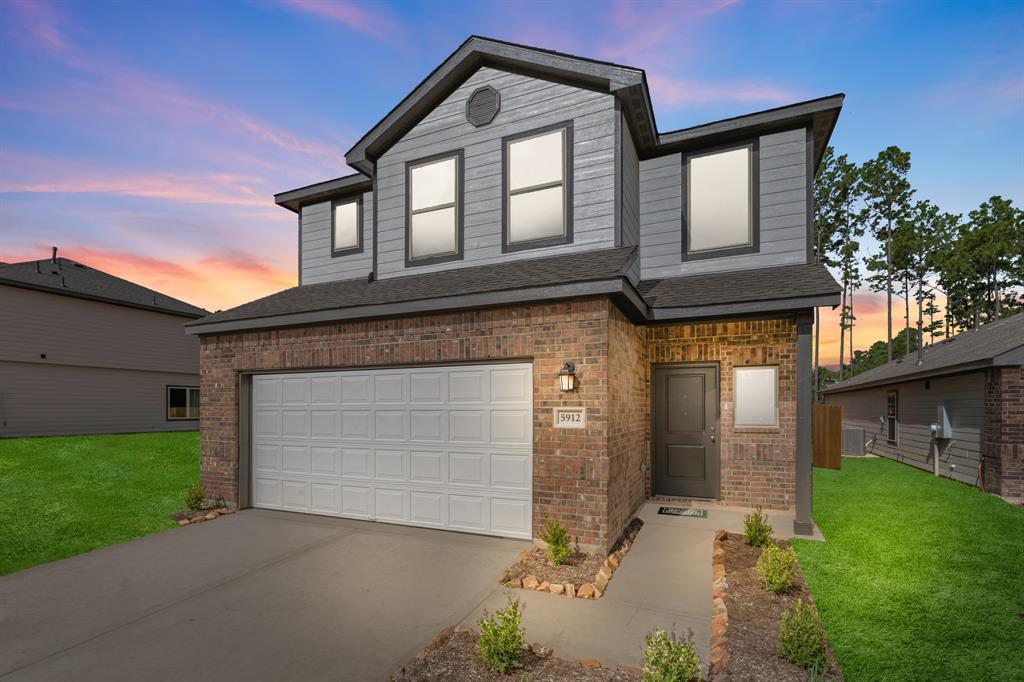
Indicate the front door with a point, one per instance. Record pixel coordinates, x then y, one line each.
685 409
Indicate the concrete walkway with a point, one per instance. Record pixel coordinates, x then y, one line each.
263 595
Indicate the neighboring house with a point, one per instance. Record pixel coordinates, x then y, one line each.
82 352
519 211
977 377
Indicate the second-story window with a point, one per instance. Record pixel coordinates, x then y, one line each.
435 211
538 198
720 218
346 234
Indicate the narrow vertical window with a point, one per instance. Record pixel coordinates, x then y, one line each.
892 417
435 214
537 203
346 230
721 203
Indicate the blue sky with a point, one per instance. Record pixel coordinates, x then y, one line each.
148 138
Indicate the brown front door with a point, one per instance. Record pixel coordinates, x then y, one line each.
685 427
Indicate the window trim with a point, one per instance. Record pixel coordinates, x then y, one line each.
895 418
567 188
348 250
735 383
167 403
755 200
459 156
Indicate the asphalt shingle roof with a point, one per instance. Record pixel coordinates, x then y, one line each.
741 286
72 278
966 348
539 272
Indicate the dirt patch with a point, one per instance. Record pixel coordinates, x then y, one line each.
581 575
753 619
453 656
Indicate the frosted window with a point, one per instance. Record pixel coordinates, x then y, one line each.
755 396
719 199
536 186
433 218
346 226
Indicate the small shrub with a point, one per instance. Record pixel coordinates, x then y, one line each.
801 636
668 658
194 497
756 530
557 537
775 568
501 638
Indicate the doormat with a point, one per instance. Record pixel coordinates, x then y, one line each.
683 511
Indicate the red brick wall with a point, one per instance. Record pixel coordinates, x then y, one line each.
1003 432
570 468
758 464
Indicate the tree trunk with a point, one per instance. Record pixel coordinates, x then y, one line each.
817 347
842 330
851 330
888 289
906 307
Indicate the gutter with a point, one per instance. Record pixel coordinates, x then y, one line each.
914 376
102 299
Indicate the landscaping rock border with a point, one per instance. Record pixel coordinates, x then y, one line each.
188 517
718 657
593 589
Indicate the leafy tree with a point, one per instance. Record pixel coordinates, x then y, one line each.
887 193
994 241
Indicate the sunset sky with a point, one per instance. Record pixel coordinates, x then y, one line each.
148 139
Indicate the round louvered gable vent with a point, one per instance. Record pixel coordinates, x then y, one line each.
482 106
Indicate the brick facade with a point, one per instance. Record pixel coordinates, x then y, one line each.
1002 447
592 479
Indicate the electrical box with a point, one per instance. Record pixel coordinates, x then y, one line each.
941 429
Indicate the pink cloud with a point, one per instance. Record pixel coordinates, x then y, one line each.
674 92
641 27
364 18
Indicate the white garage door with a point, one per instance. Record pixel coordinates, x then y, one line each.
444 447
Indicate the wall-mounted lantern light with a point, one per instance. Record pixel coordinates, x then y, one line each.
567 376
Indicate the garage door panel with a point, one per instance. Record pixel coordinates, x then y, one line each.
442 447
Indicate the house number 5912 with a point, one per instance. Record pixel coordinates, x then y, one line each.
570 417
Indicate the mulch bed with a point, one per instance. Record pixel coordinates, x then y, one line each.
582 575
753 622
453 656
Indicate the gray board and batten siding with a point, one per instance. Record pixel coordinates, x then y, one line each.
630 196
783 211
916 412
527 103
318 263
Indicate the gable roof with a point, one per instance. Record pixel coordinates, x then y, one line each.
71 278
627 83
997 343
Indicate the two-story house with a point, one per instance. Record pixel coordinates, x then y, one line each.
529 303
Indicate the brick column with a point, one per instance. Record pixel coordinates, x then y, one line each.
1003 432
803 524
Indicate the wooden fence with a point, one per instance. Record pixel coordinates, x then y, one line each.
827 436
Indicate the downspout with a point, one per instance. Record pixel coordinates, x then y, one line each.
803 524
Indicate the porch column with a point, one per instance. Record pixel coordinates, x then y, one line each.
803 524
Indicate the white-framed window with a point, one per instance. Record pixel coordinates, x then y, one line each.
721 203
537 182
434 228
756 396
182 403
346 230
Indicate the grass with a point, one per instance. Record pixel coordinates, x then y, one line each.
67 495
920 578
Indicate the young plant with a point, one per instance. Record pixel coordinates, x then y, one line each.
557 537
775 567
668 658
194 497
756 530
501 638
801 636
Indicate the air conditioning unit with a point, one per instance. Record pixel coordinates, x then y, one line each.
853 442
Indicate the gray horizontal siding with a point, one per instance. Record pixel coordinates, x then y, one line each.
317 263
782 205
917 412
630 197
526 103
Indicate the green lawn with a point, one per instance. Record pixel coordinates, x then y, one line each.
920 578
67 495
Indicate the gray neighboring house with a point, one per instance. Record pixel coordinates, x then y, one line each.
83 351
978 377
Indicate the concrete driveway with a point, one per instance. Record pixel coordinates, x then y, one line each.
257 595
